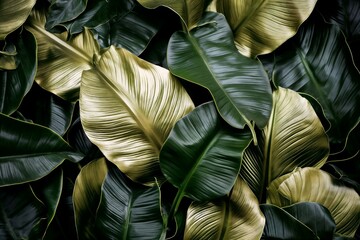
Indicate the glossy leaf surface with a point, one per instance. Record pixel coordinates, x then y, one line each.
134 212
14 84
261 26
29 152
8 54
294 137
190 11
343 202
128 107
318 62
61 62
207 56
202 154
235 217
86 197
13 14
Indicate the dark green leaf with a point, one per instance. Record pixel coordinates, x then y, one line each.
128 210
29 151
202 154
14 84
207 56
318 62
282 225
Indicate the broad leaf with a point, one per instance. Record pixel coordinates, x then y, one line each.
14 84
61 62
86 197
318 62
282 225
20 213
190 11
13 14
207 56
29 151
202 154
261 26
8 53
128 107
134 212
294 137
343 202
235 217
47 109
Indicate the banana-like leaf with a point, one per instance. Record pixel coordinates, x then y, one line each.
261 26
128 210
282 225
8 53
128 107
202 154
190 11
14 84
61 62
314 185
318 62
294 137
207 56
13 14
29 151
237 216
86 197
47 109
21 213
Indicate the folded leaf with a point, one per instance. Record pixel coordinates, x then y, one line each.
207 56
202 154
294 137
29 151
13 14
343 202
190 11
128 107
235 217
61 62
261 26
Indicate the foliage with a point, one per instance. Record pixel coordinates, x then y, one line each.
191 119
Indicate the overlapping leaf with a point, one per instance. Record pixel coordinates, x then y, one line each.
237 216
207 56
190 11
202 154
29 152
294 137
61 62
15 83
13 14
261 26
128 107
319 63
342 202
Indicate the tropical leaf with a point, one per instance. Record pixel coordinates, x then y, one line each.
86 197
13 14
8 53
190 11
239 85
134 212
128 107
318 62
61 62
237 216
343 202
21 212
47 109
294 137
14 84
261 26
202 154
29 151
